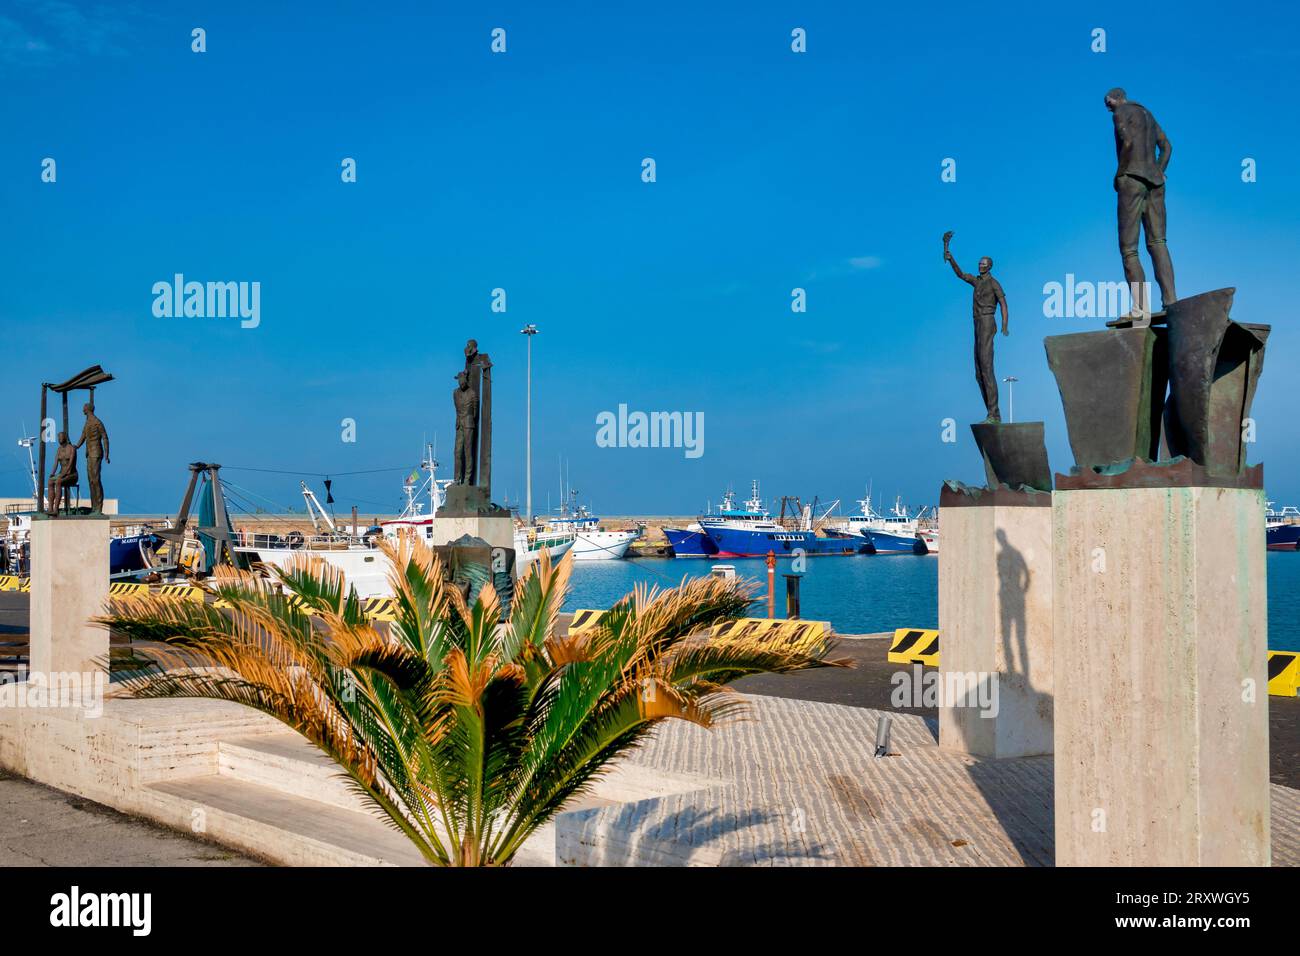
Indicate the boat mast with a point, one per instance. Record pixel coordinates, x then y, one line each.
31 463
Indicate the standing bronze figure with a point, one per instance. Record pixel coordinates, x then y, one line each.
95 437
62 477
473 401
1143 152
987 297
465 399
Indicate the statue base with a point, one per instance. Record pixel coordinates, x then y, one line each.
995 621
470 501
495 530
1015 454
1161 716
69 587
471 562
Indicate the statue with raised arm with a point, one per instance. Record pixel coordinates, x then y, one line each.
987 298
1143 152
95 437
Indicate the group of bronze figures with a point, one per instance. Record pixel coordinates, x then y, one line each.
1142 151
64 477
1155 399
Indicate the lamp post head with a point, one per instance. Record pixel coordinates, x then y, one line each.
529 329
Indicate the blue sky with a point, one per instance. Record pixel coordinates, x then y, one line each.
522 171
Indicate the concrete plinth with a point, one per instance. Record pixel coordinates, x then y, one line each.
497 530
69 587
1161 703
995 623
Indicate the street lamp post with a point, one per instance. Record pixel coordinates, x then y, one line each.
1011 397
529 330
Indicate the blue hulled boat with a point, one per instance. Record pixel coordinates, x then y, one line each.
751 532
690 542
1279 533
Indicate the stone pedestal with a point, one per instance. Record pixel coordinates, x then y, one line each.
497 530
1161 702
69 587
995 621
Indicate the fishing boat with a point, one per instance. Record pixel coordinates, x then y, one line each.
752 532
694 541
413 519
531 542
690 542
1282 528
894 533
363 563
130 550
357 554
591 541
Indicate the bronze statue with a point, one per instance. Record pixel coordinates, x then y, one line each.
1143 152
465 399
473 400
987 297
95 437
63 476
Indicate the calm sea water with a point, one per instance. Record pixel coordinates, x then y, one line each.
869 594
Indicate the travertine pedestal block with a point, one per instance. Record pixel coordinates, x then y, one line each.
497 531
995 622
1161 697
69 587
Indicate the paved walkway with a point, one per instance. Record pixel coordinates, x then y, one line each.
44 827
798 785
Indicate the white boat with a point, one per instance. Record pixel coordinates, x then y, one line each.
591 541
356 554
363 564
895 533
530 542
414 520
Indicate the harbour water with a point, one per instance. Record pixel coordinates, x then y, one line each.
866 595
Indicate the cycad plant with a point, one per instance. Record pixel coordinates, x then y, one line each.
467 733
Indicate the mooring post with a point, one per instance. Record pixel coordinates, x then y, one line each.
771 584
792 596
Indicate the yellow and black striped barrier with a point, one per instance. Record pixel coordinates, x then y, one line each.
123 589
770 628
380 608
1283 673
180 592
9 582
914 646
583 619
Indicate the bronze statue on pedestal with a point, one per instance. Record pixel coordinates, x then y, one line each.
988 295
